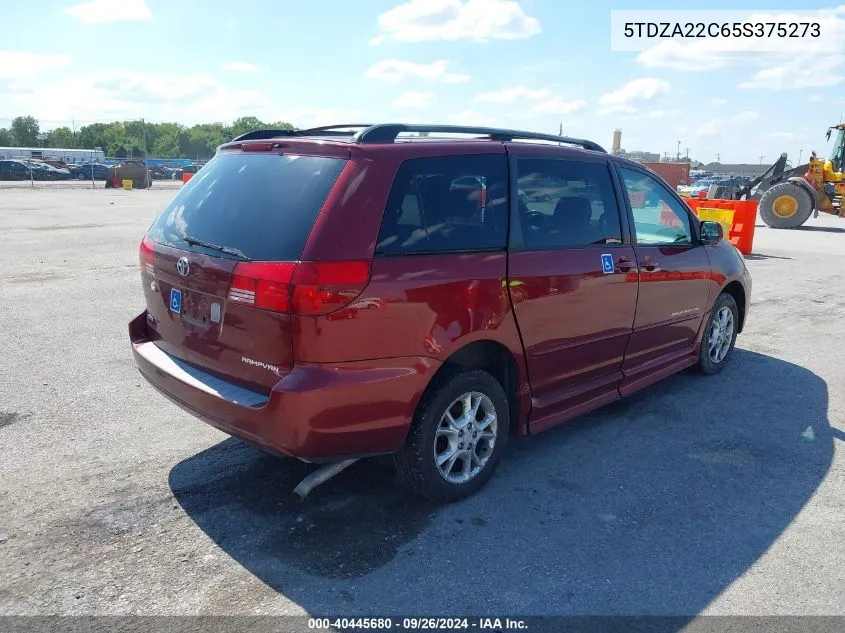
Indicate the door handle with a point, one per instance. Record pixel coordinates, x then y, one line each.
624 265
650 266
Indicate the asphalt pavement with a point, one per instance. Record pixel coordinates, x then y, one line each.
701 495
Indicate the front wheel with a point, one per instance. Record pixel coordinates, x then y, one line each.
785 206
719 339
458 434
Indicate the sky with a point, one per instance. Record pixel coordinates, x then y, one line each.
526 64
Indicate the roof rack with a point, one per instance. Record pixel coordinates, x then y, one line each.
366 133
387 133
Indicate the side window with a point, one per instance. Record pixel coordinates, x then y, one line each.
659 219
566 204
451 203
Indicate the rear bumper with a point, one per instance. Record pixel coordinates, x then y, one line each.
317 412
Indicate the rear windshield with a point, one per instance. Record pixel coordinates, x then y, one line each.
261 205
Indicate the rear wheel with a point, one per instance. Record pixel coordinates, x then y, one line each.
458 434
785 206
717 344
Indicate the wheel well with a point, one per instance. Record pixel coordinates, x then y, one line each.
497 360
736 290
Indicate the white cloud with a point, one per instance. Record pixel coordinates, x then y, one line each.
624 99
720 125
450 20
239 67
124 94
509 95
663 114
784 136
396 70
105 11
470 117
718 102
558 107
323 116
815 98
415 100
22 64
699 55
546 105
794 74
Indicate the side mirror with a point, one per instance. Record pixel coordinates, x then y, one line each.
711 232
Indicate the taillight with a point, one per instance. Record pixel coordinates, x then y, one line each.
307 288
146 254
264 285
323 287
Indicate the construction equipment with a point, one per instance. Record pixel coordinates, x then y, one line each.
789 196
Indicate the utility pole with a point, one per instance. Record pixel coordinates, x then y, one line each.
718 158
688 152
800 153
761 158
678 157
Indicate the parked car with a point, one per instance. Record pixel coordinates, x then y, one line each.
185 169
13 170
129 169
40 171
162 172
333 299
84 171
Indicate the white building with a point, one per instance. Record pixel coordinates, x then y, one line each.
54 153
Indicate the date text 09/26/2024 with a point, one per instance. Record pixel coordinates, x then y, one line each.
417 624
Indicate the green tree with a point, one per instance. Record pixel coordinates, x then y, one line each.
61 137
6 139
25 131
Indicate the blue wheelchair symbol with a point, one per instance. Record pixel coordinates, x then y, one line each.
175 300
607 266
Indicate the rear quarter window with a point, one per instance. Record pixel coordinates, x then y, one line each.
443 204
263 205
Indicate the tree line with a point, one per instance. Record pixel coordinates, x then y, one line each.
133 139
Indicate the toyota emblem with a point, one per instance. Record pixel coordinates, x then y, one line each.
183 266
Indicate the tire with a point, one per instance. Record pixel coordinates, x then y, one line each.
416 462
724 311
785 206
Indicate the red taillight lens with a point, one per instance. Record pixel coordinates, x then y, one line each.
146 254
264 285
307 288
323 287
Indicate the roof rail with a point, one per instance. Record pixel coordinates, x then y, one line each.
366 133
387 133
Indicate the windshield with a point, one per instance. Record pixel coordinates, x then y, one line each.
837 153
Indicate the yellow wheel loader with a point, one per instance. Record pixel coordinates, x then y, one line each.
788 197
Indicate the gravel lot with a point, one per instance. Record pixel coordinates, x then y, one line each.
721 495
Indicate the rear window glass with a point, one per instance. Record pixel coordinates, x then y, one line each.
262 205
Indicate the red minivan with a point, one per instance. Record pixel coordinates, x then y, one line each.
425 292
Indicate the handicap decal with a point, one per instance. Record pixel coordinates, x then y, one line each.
607 266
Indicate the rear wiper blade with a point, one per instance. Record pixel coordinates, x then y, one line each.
215 247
